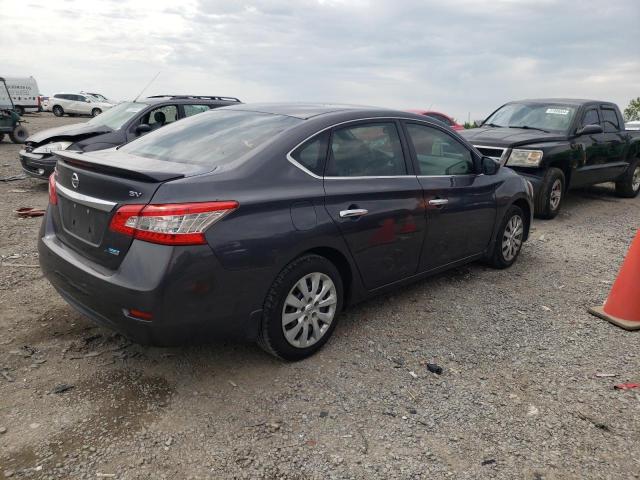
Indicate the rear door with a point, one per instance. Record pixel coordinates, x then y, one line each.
77 104
460 203
615 143
595 150
375 199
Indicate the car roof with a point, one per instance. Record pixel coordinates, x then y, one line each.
305 111
202 99
566 101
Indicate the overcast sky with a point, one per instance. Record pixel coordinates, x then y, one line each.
458 56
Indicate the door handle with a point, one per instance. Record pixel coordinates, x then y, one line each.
353 213
438 202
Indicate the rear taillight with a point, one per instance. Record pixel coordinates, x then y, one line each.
53 195
170 224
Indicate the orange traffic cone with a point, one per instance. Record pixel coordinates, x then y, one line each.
622 307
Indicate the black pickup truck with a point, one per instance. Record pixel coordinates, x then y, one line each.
559 144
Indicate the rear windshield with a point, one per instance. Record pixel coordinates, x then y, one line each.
211 138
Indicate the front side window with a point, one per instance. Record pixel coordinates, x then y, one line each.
540 116
366 150
161 116
312 154
195 109
610 120
439 153
215 138
591 117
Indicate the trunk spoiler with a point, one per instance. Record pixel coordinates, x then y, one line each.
143 169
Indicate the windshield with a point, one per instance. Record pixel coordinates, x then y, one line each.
117 116
212 138
547 117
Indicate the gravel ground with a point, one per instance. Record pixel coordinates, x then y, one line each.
518 396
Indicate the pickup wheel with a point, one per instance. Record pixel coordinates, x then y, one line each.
629 184
550 196
509 240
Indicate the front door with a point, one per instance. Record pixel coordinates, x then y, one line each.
461 204
375 201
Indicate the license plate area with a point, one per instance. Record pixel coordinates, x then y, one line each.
83 222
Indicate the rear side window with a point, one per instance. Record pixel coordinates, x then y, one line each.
439 153
610 120
214 138
195 109
591 117
312 154
366 150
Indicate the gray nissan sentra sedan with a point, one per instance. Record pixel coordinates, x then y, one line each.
264 221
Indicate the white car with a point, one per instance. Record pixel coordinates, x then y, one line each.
77 104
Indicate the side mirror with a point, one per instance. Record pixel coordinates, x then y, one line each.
590 130
143 128
489 166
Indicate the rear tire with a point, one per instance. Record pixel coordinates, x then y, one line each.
549 199
57 110
95 112
509 239
629 184
301 309
19 134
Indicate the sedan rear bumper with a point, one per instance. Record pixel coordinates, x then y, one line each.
191 298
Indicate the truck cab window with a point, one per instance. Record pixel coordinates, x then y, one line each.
610 120
591 117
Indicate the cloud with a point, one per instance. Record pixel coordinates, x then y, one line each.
464 57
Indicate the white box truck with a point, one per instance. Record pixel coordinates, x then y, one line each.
25 94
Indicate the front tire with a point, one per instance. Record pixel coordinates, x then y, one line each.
58 111
629 184
551 194
301 309
509 240
95 112
19 134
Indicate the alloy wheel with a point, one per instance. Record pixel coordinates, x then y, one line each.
556 194
512 238
309 310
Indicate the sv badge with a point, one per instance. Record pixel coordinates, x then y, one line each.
133 193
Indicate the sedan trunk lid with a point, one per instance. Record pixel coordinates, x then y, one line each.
91 187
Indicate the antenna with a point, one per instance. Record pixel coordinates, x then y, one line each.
147 86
